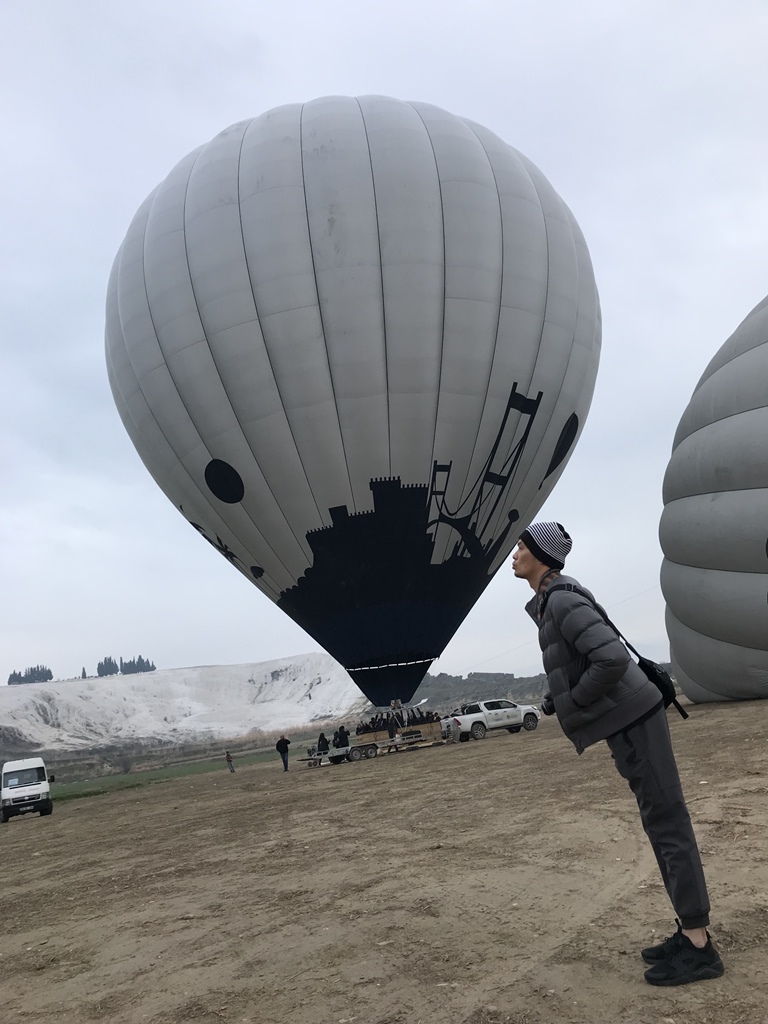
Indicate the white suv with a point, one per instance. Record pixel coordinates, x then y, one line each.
476 717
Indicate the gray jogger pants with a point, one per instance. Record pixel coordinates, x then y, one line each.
644 757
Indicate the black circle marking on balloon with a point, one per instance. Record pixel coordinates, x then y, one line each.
257 572
224 481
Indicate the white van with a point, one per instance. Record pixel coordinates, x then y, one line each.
25 787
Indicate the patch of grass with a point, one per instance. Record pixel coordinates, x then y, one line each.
136 779
97 787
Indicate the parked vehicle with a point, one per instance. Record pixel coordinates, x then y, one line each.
476 717
25 787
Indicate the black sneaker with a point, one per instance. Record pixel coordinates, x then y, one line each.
686 964
652 954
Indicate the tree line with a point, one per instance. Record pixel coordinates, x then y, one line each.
34 674
107 667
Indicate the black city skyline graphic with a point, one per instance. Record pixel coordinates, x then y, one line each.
373 597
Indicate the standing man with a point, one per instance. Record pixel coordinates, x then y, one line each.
599 693
282 748
230 762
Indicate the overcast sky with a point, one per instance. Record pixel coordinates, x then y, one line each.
648 117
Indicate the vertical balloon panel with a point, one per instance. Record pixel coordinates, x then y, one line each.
355 341
409 213
714 529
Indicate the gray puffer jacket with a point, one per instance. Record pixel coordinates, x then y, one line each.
597 689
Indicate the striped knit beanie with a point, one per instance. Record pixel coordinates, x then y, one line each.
548 542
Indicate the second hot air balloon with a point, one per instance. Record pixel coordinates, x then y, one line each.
714 530
355 341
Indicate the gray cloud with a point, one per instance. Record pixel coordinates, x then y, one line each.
647 118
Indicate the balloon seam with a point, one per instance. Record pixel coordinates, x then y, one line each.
381 278
442 329
320 308
496 337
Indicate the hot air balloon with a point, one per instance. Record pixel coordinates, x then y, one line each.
714 528
355 341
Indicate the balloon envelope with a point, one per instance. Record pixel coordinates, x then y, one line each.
714 529
355 341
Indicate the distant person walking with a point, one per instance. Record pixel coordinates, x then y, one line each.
230 762
282 748
392 732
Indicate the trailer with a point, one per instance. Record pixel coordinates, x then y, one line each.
371 744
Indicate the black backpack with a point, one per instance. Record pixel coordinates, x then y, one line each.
655 673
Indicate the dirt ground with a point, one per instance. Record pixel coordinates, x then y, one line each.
497 882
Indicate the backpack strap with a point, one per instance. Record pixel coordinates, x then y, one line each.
577 590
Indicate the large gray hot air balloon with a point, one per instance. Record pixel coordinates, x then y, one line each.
714 529
355 341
